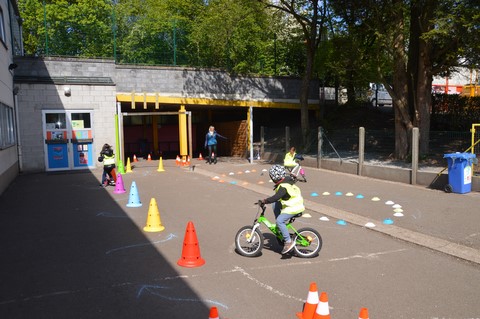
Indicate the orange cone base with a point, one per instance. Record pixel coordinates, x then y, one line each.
153 228
191 262
300 315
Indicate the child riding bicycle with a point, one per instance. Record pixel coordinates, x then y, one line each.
291 159
287 200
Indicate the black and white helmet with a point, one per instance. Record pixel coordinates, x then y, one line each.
277 173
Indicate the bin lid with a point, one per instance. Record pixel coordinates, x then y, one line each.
459 155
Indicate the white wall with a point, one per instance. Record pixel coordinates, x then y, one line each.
8 156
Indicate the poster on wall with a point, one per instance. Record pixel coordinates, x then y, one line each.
76 124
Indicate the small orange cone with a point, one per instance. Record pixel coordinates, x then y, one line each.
200 157
178 161
149 157
322 311
188 161
114 174
311 304
154 223
213 313
363 313
135 158
184 161
191 251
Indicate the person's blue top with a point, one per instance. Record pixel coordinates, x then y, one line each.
211 138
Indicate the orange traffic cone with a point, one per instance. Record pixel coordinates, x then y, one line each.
149 158
188 161
135 158
200 157
178 161
311 304
114 174
191 251
322 311
213 313
363 313
184 161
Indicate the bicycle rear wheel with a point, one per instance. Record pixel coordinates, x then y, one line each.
308 243
249 243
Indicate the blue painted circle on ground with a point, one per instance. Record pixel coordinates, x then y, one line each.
341 222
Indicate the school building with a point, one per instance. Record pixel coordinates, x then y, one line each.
69 107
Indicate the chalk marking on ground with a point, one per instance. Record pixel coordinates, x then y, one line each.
169 237
236 269
152 289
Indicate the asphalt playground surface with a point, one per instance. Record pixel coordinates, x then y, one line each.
72 249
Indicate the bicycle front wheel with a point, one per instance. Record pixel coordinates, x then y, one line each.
308 243
249 243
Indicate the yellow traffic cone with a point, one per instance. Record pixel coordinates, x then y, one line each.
154 223
160 165
129 166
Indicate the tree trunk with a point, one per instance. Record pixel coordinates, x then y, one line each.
304 90
420 68
403 122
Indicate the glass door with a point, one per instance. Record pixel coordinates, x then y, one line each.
68 139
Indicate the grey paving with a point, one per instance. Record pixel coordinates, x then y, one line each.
71 249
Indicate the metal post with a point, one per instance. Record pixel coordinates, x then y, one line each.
262 140
415 142
114 29
275 54
319 147
45 25
190 143
182 131
250 126
120 133
174 42
287 138
361 149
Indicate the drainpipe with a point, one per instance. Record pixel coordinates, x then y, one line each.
17 130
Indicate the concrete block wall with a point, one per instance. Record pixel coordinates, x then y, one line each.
208 84
34 98
95 83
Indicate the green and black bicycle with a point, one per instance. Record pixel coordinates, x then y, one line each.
249 239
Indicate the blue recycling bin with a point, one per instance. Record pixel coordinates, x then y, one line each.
459 172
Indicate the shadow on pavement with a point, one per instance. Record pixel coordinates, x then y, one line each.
69 250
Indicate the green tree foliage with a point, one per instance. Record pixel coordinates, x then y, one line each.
70 28
411 41
310 16
231 34
154 31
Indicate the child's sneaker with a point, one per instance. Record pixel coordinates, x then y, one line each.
288 246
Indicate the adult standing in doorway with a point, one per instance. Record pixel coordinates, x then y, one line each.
211 144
